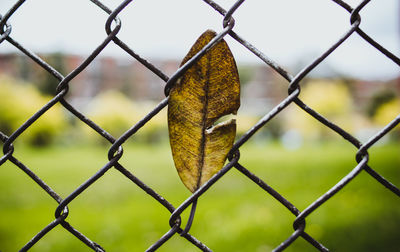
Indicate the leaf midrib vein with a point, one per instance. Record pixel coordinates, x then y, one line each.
204 120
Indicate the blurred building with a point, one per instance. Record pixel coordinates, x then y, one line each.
262 88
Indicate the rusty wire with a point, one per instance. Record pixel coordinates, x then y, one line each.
113 26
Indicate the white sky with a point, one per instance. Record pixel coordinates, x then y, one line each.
291 32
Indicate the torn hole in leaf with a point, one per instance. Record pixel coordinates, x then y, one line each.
221 122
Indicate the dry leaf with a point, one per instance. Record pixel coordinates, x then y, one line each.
207 91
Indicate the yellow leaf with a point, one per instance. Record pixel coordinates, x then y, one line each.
207 91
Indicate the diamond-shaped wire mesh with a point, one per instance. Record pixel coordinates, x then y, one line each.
113 26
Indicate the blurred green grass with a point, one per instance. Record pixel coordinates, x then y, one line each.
234 215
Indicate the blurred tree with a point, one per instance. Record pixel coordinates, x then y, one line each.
386 113
379 99
115 113
18 102
330 98
112 111
47 82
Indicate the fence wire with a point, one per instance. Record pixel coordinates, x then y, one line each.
113 26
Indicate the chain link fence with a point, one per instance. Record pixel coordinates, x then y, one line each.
113 26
